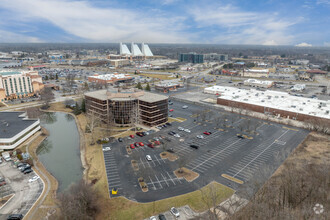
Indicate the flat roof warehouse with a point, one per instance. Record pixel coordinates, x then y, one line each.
274 99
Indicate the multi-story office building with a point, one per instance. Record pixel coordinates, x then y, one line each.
127 107
18 84
215 57
191 58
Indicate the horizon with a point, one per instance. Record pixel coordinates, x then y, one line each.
268 23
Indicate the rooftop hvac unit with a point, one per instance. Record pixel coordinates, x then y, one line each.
245 100
293 106
262 100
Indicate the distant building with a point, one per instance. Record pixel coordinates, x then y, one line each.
298 87
166 87
110 78
135 50
15 129
215 57
317 72
262 73
18 84
191 58
127 107
120 62
258 83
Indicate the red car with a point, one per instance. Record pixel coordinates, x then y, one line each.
150 145
140 134
207 133
171 110
157 143
136 144
132 146
131 136
141 144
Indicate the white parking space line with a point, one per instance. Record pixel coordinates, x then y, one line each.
142 162
170 178
152 182
157 160
259 154
159 182
164 179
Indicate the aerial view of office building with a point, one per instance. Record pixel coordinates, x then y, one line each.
127 107
191 58
110 78
15 128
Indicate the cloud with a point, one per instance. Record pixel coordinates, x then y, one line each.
303 45
244 27
327 44
270 43
10 37
81 19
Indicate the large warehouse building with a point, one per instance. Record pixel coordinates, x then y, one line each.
276 103
127 107
110 78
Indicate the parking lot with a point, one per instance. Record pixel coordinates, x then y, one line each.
25 193
221 156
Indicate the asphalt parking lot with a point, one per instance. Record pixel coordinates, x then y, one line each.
25 193
221 156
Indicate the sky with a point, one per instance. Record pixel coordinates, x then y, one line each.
256 22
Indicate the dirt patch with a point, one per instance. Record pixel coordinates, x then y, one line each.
168 155
135 165
5 199
189 175
128 149
143 185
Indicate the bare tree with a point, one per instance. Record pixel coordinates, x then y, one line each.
79 202
182 161
46 96
92 122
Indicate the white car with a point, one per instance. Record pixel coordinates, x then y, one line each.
148 157
187 130
33 179
185 106
200 136
106 149
153 218
180 128
175 212
176 135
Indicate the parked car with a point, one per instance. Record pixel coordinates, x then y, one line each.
139 134
20 164
176 135
171 133
156 138
170 103
200 136
33 179
161 217
194 146
29 170
136 144
185 106
120 139
170 115
141 144
15 217
175 212
132 146
131 136
150 145
171 110
180 128
152 218
0 160
148 157
106 149
25 167
168 123
157 143
207 133
240 136
187 130
171 150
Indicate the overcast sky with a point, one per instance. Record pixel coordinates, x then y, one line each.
267 22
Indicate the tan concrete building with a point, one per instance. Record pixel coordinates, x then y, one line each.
18 84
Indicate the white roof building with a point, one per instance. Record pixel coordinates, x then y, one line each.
275 99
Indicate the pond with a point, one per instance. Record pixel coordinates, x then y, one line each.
60 151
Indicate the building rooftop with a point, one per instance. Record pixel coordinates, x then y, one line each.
152 97
111 76
11 123
255 81
275 99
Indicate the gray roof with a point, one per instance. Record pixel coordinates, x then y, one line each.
152 97
15 124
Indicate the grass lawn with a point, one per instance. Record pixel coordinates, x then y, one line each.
158 76
121 208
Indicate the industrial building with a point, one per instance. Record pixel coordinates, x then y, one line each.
279 104
260 73
19 84
110 78
258 83
127 107
16 128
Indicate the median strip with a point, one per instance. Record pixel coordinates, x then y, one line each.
232 178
